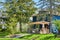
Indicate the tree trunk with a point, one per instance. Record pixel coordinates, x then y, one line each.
20 27
51 10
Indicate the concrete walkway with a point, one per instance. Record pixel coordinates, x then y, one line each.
16 35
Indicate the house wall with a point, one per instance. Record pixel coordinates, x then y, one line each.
55 17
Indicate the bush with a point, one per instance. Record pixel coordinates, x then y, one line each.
57 23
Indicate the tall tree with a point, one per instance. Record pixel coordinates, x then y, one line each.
19 11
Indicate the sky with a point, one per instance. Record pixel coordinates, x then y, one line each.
1 6
2 0
35 0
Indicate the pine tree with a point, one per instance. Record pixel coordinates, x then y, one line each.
19 11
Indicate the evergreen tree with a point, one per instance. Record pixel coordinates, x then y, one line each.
18 11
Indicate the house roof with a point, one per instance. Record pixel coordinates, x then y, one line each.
41 12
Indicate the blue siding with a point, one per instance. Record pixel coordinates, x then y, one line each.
56 17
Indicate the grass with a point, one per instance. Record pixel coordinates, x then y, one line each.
3 34
34 37
38 36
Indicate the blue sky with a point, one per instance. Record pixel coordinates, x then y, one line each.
2 0
36 0
1 4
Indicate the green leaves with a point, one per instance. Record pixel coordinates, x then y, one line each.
57 23
18 11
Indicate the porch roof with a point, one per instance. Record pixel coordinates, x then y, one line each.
40 22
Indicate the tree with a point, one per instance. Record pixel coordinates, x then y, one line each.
18 11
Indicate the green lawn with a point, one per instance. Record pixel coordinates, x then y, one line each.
40 37
34 37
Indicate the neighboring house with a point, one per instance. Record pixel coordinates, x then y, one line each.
56 17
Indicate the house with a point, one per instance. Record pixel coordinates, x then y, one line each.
55 17
41 23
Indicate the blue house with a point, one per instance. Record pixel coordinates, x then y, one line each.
53 27
55 17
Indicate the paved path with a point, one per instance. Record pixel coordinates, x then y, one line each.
16 35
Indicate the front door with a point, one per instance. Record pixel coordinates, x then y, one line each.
44 29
